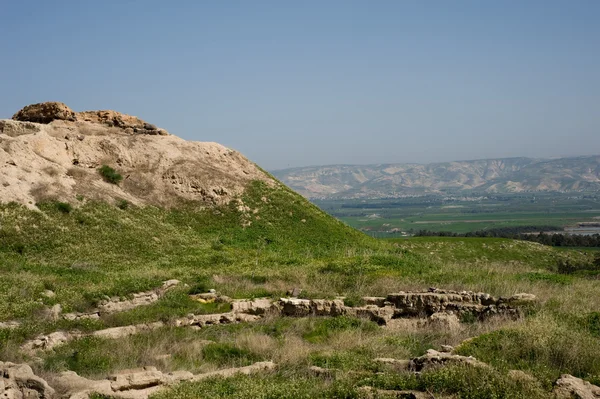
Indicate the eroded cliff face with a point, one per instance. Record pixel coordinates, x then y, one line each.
48 151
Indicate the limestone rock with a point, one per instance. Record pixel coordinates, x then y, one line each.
45 113
19 381
125 331
255 307
260 366
47 342
447 348
434 359
70 383
567 387
136 379
443 321
139 299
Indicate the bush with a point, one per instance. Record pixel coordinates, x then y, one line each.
110 175
123 204
64 207
570 267
354 300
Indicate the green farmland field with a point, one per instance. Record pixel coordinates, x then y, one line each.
464 214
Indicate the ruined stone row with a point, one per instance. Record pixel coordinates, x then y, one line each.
116 304
411 305
17 381
434 307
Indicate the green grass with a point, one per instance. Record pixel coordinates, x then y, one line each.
465 382
324 328
109 174
97 250
462 215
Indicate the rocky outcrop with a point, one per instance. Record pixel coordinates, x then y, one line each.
17 381
49 152
140 383
131 124
48 112
569 387
45 113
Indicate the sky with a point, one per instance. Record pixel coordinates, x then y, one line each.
296 83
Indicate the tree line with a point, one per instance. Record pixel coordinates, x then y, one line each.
526 233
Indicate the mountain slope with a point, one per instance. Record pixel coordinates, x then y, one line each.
492 175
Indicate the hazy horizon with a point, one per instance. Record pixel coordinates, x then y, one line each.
323 83
435 162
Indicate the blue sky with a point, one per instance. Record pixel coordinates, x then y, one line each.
292 83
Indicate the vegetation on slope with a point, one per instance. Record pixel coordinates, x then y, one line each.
98 249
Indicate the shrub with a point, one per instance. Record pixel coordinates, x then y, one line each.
110 175
64 207
123 204
354 300
570 267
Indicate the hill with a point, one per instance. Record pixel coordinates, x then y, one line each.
507 175
108 290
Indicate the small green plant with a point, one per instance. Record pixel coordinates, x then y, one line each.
354 300
64 207
123 204
110 175
468 318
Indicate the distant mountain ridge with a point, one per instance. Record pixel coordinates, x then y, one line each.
504 175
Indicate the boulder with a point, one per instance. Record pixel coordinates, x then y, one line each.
45 113
443 321
295 307
567 387
374 313
70 383
433 359
225 373
19 381
47 342
136 379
